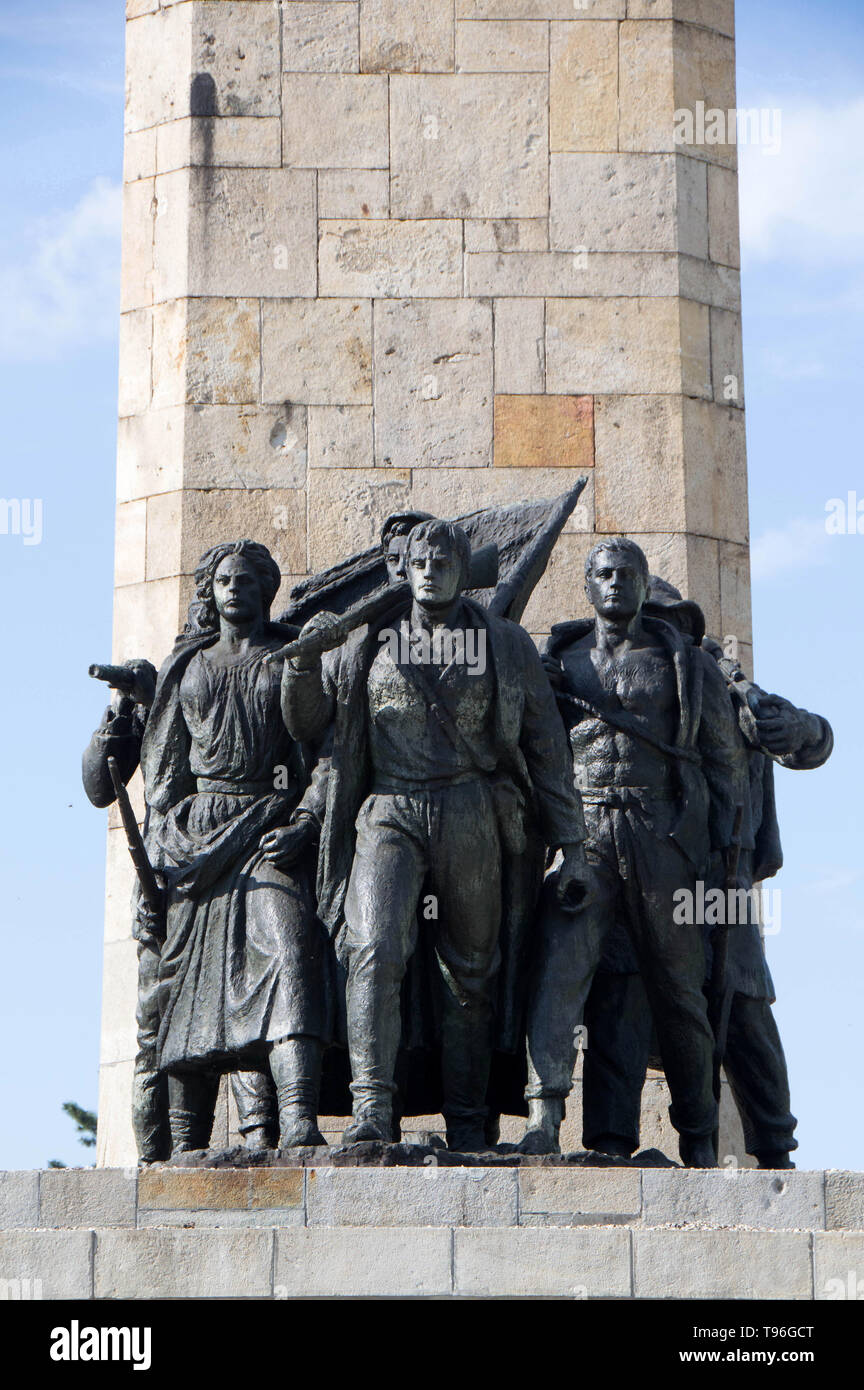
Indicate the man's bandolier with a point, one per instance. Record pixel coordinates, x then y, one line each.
651 823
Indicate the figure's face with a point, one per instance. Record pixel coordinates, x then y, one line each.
616 587
236 591
434 574
397 548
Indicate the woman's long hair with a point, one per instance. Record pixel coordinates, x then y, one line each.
202 616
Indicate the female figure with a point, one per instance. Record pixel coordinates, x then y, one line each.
243 970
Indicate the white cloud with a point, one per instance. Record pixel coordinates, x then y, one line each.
66 292
806 202
801 542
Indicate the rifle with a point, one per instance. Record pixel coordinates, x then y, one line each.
150 890
483 574
719 995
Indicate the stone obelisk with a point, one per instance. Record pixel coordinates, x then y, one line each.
391 253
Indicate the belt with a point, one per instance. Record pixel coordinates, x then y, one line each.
228 788
621 797
396 786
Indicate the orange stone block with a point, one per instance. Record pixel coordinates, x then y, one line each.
276 1187
544 432
193 1189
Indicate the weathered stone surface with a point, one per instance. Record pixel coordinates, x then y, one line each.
452 492
721 1264
544 432
54 1264
139 155
502 46
542 1263
718 285
276 1188
253 142
340 436
390 260
183 1264
119 881
406 1197
130 536
602 1195
317 352
507 234
770 1201
136 281
320 37
193 1189
844 1201
560 593
520 346
667 67
181 526
205 352
715 449
119 990
228 48
632 346
136 338
538 9
19 1200
157 67
628 202
334 121
406 35
727 359
712 14
235 232
146 619
227 446
735 616
433 383
83 1197
439 166
723 231
382 1263
353 193
583 86
115 1142
838 1265
564 274
640 479
347 510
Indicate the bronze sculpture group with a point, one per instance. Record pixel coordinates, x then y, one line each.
393 861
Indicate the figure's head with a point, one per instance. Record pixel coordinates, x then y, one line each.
616 578
665 601
394 541
437 563
238 581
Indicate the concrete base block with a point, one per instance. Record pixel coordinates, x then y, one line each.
320 1229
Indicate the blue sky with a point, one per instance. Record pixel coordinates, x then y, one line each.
802 210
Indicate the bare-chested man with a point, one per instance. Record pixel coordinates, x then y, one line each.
660 771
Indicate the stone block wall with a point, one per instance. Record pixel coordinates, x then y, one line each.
503 1232
442 253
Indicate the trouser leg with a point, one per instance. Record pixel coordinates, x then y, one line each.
672 962
617 1045
466 879
380 933
149 1087
191 1105
755 1066
296 1067
568 953
256 1103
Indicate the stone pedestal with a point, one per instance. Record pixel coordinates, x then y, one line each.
386 253
529 1232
